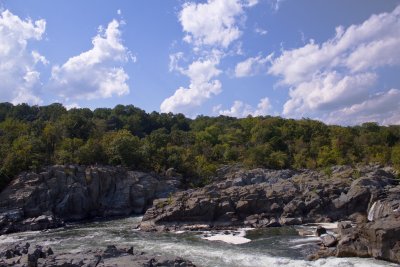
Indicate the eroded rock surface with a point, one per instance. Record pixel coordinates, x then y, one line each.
266 198
22 255
35 201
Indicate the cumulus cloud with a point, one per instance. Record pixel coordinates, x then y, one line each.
240 109
339 73
383 107
18 64
96 73
212 23
211 28
372 44
202 87
252 66
327 92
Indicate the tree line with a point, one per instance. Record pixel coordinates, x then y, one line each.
35 136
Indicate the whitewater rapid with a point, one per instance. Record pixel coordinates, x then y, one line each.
270 247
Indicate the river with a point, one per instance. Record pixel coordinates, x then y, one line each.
269 247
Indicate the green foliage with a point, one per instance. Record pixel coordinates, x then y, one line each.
33 136
356 173
396 156
328 171
68 150
122 147
170 199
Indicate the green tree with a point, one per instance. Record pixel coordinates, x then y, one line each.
68 150
122 147
92 152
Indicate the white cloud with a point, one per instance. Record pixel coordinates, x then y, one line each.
260 31
174 62
252 66
339 73
96 73
72 105
263 107
327 92
382 107
375 54
213 23
251 3
275 4
210 28
372 44
202 86
18 74
240 109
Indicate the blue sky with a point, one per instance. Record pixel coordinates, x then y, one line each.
336 61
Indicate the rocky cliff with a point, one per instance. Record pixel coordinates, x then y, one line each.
35 201
262 198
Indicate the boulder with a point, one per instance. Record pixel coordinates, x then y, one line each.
328 240
379 239
320 230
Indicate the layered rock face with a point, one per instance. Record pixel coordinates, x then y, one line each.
262 198
35 201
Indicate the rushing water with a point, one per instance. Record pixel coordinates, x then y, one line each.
270 247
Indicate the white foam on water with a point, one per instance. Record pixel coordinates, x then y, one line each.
328 226
9 239
51 242
222 257
300 245
231 239
201 252
235 238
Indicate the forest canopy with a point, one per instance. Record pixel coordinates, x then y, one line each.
35 136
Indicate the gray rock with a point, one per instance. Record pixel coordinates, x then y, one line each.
111 256
257 197
37 201
328 240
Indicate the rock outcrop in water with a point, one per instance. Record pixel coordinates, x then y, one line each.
35 201
378 238
263 198
21 255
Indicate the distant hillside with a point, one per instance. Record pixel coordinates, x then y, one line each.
35 136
